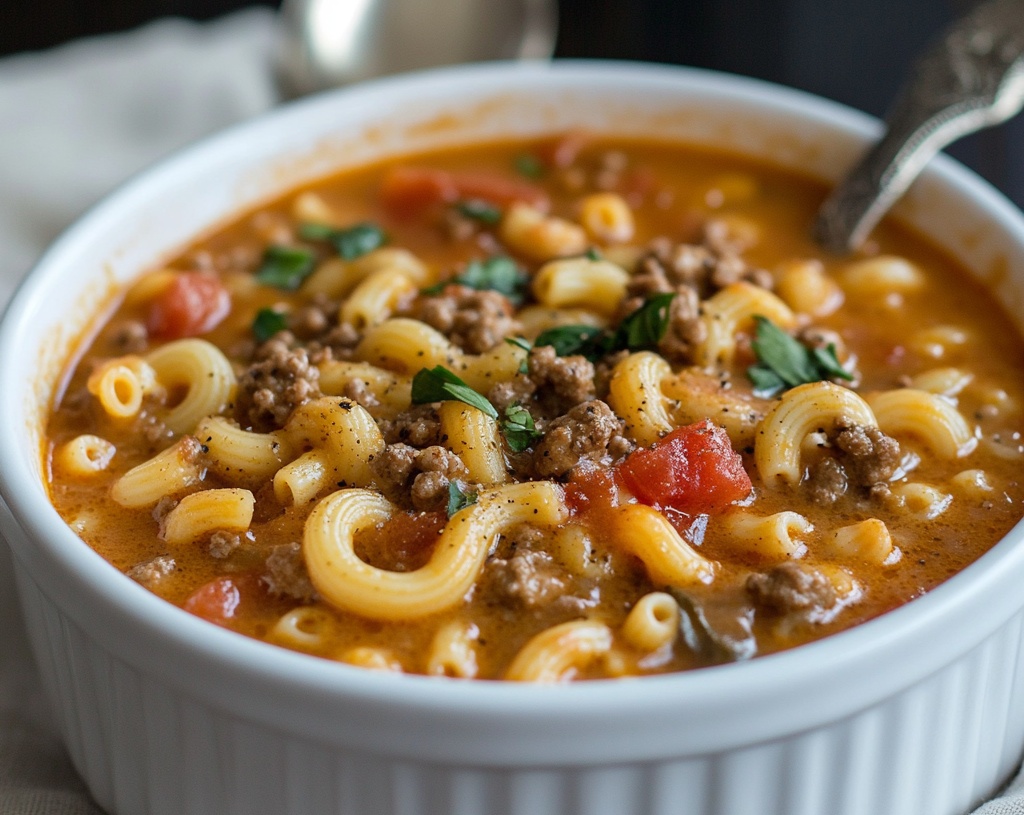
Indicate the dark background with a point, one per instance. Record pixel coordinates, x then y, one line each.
854 51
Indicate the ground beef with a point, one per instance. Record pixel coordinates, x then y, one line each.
871 456
163 507
792 588
686 330
434 468
286 574
529 578
865 458
705 267
419 426
315 318
603 372
476 321
827 481
223 544
562 382
339 342
150 573
280 380
583 432
152 428
130 337
519 390
358 392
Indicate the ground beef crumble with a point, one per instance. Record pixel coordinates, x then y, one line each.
561 383
150 573
476 321
792 588
279 380
430 470
865 459
419 426
586 431
286 574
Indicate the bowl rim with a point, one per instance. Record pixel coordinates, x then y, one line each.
881 644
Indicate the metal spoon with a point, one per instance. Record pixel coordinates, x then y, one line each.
972 78
327 43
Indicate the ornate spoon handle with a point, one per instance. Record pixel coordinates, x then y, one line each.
972 78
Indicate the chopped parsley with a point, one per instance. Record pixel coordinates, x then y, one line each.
498 273
285 267
350 243
482 211
518 427
268 322
784 363
457 499
438 384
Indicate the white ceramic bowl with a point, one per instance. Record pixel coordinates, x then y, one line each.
918 712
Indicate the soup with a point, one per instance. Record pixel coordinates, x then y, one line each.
550 410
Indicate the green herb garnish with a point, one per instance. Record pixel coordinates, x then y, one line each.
350 243
268 322
285 267
644 328
438 384
518 427
568 340
498 273
482 211
593 253
785 363
457 499
529 166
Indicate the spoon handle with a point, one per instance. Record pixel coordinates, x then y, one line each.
972 78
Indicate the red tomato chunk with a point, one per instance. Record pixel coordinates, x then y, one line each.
693 469
406 191
224 599
193 304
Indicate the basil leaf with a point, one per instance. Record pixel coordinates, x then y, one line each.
457 499
498 273
529 166
438 384
482 211
568 340
783 354
285 267
785 363
593 253
828 363
767 383
646 326
350 243
519 429
268 322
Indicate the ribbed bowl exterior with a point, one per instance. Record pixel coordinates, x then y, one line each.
936 748
918 712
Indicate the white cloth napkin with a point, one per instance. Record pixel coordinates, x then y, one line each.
74 122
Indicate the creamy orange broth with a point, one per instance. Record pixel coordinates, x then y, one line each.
671 190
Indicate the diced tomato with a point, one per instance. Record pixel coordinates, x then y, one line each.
194 303
407 191
693 469
224 599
